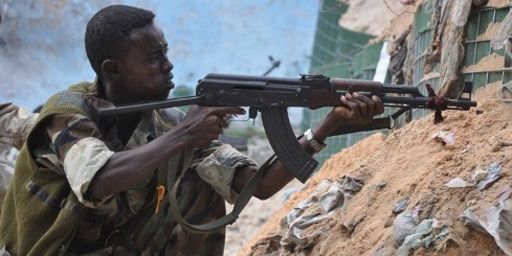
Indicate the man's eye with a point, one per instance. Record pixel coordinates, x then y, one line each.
155 56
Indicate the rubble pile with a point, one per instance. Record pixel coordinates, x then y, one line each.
426 189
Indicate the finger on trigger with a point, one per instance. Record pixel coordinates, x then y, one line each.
228 110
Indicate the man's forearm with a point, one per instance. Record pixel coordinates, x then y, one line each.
126 169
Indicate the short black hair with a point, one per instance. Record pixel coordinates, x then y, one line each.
107 30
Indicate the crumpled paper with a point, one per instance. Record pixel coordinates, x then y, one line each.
422 237
481 179
499 221
404 225
328 196
409 235
445 137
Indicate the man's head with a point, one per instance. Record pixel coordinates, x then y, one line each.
128 53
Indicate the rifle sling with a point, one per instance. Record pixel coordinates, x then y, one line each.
218 224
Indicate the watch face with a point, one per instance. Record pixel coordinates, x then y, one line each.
317 146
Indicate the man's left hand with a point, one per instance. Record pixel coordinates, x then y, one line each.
357 109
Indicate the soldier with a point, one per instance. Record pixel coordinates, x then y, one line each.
90 184
15 122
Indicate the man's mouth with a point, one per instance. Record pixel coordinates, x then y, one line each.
168 81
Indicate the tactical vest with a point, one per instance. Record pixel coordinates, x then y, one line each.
40 214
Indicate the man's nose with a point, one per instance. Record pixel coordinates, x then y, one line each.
167 66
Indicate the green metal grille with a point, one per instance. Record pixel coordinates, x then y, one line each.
477 49
422 40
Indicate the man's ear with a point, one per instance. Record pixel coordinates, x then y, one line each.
110 68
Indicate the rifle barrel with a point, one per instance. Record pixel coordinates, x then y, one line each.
147 106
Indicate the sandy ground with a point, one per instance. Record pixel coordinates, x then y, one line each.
412 164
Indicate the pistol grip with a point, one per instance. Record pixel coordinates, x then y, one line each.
284 143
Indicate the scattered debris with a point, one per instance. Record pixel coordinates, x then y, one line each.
404 225
445 137
426 234
499 221
481 179
303 222
351 185
401 205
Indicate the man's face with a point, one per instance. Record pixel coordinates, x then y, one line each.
144 69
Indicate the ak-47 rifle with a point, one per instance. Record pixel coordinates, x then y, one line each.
272 96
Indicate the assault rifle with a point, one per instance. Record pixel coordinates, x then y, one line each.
272 96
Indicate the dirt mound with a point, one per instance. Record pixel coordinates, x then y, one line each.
410 163
336 166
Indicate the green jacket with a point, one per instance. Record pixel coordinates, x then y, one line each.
40 213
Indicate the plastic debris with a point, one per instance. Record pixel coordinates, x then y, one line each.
404 225
499 221
445 137
458 183
428 233
401 205
493 174
328 196
481 179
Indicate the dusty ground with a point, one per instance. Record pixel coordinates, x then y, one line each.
412 164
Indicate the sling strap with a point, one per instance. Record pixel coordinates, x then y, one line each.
216 225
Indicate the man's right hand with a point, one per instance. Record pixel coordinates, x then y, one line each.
204 124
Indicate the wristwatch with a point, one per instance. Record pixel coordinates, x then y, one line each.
315 144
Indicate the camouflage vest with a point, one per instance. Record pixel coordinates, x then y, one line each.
40 214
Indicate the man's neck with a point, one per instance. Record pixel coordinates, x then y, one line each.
126 123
